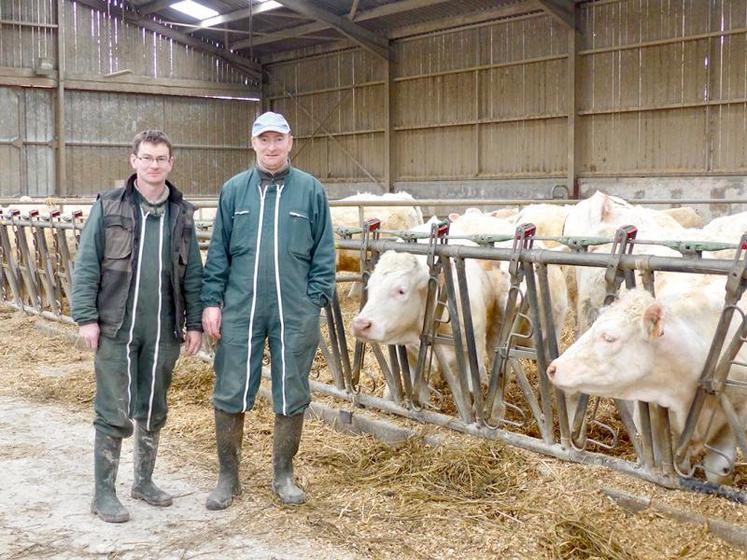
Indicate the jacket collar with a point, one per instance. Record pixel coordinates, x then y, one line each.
175 195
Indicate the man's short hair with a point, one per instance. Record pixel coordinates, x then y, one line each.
151 137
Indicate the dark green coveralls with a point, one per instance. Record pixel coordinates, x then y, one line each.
138 275
271 266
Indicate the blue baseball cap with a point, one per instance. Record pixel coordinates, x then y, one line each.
270 122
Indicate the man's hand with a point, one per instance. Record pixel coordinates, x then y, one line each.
211 317
90 333
193 342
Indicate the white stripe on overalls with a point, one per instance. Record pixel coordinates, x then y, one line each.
134 312
158 324
262 193
280 298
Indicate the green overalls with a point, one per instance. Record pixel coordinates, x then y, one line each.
271 266
136 357
133 369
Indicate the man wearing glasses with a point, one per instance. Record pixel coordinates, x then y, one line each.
137 284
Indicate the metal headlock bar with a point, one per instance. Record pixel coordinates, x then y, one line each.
649 432
714 384
36 267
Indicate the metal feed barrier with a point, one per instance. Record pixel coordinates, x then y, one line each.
493 414
517 406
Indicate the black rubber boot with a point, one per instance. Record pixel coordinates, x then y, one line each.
286 439
229 431
105 503
146 449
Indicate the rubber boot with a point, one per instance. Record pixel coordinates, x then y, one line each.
286 439
105 503
229 431
146 449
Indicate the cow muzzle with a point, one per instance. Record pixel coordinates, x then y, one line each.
361 327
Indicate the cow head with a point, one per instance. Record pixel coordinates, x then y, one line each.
616 355
395 308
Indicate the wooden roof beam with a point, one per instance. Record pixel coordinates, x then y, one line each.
562 10
370 41
249 66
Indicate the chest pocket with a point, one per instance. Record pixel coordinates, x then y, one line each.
300 239
117 240
242 235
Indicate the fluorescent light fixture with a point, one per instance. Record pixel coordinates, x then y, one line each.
194 9
268 5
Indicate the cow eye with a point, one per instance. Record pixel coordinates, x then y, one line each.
401 291
608 337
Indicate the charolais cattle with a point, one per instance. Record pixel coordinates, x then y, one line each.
397 218
395 308
653 350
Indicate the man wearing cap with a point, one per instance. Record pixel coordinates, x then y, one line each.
270 269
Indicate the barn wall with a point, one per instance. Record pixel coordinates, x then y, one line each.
162 84
661 93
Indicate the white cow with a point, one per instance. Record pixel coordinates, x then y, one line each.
474 222
399 218
395 309
549 219
599 216
652 350
603 209
687 217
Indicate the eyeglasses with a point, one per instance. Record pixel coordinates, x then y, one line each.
160 160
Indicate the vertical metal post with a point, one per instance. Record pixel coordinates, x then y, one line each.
60 107
539 348
335 360
456 331
573 89
644 429
553 351
469 334
663 439
12 273
389 126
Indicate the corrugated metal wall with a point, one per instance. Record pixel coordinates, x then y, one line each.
211 135
661 92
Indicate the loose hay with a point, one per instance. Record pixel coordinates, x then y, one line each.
464 499
573 539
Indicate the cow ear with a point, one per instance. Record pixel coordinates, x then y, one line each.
653 321
453 216
606 208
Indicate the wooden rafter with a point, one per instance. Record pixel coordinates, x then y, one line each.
244 64
370 41
563 10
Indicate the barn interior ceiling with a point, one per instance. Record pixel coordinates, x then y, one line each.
263 30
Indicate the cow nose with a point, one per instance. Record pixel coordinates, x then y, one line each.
551 369
360 325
